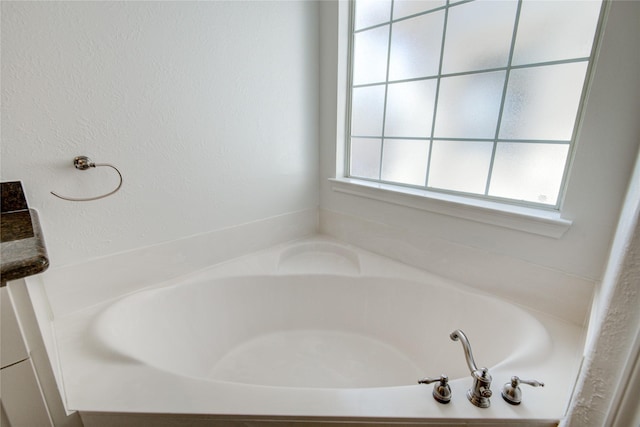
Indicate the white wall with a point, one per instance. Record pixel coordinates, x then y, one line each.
209 109
527 268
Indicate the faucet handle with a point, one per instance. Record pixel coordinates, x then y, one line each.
485 392
441 391
511 392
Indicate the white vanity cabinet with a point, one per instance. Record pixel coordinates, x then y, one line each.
22 402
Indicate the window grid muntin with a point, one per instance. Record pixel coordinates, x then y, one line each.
415 15
435 101
480 71
386 92
496 141
514 34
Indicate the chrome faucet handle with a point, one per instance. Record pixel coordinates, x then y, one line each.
485 380
441 391
480 390
511 392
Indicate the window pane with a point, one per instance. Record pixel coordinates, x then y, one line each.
542 102
478 36
531 172
415 46
405 161
403 8
468 106
399 132
367 109
370 56
460 165
372 12
410 108
365 158
553 30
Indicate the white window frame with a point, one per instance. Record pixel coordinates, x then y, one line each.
540 220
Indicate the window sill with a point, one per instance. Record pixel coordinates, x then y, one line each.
529 220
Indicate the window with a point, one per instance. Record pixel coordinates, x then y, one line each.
477 98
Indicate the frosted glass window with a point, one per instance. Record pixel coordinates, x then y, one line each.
555 30
367 109
469 105
365 157
415 46
402 8
460 165
542 102
530 172
405 161
370 56
475 97
410 108
372 12
478 35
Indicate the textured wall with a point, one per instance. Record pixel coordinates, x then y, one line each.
616 323
209 109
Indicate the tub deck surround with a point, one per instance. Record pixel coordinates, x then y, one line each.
210 344
360 330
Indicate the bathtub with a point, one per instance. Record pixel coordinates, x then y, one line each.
313 331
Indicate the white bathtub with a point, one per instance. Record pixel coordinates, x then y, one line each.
309 331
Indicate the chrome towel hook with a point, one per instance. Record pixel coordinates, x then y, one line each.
83 163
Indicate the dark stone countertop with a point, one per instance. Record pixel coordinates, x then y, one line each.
12 197
25 256
22 249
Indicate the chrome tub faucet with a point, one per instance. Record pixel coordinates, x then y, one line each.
480 391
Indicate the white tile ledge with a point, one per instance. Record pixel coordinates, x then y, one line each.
529 220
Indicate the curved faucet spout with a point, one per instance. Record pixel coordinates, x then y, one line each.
480 391
459 335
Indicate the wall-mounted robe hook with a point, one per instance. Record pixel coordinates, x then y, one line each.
83 163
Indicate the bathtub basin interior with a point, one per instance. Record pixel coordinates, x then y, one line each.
316 331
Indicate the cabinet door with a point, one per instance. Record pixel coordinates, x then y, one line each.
21 398
12 347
